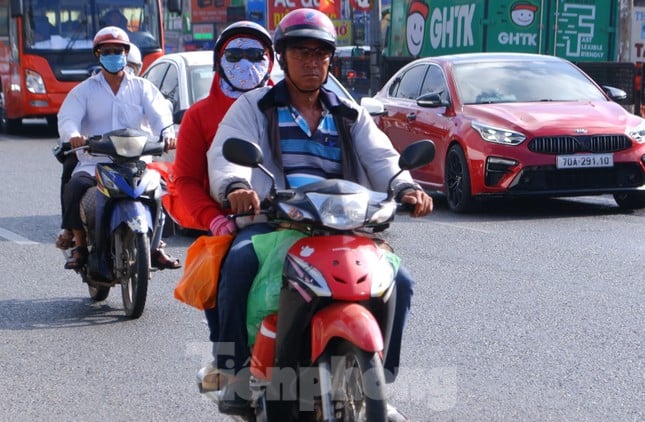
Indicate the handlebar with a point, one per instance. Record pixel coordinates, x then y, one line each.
402 208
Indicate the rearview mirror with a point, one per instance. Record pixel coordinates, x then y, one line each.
178 116
417 154
243 153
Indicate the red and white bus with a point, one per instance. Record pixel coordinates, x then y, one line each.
46 48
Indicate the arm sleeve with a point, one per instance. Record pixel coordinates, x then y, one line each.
190 170
157 109
70 116
240 121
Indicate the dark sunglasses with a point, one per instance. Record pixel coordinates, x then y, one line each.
106 51
234 55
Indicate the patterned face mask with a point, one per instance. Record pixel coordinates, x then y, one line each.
246 72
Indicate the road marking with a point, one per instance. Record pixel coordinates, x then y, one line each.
14 237
459 226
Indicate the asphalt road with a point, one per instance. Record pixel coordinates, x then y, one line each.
530 310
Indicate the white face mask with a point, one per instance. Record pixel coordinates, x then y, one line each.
243 75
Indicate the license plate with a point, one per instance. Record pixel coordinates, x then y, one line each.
576 161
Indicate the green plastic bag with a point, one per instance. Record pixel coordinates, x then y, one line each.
271 249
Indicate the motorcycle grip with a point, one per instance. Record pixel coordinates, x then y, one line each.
404 208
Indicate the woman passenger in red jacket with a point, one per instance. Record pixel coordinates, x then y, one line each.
242 60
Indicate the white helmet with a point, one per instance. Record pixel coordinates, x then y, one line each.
134 58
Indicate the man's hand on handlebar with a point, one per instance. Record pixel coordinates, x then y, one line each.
244 201
420 202
77 141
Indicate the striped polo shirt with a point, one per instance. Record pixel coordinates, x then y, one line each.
308 156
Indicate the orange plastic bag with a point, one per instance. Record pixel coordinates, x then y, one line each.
198 285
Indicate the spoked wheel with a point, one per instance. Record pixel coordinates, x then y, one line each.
357 384
458 181
135 258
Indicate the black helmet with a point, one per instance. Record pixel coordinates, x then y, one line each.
248 28
304 23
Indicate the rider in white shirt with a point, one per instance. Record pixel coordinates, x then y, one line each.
111 99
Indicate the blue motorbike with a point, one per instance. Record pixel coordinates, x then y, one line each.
122 216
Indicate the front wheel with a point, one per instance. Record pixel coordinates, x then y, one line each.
98 293
136 261
457 178
357 391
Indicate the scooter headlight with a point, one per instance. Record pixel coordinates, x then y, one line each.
341 212
129 146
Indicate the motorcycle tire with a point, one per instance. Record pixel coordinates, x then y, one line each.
134 288
358 383
99 293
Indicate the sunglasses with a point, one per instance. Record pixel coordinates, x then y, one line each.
106 51
234 55
304 53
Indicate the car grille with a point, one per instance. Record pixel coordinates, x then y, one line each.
550 179
573 144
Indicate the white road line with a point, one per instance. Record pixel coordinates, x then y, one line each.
14 237
462 227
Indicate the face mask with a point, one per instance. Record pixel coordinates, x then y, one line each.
113 63
243 75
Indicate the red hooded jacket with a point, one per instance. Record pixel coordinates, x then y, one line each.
195 208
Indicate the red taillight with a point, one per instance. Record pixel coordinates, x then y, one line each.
351 74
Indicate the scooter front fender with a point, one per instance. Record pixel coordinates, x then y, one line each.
350 321
133 213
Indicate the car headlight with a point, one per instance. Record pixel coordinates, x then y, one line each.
34 82
637 132
498 135
341 212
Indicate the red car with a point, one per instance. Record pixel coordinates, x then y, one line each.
508 124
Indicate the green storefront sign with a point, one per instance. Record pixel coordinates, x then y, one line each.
578 30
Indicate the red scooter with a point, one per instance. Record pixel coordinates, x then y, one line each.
321 357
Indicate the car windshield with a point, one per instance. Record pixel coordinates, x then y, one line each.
515 81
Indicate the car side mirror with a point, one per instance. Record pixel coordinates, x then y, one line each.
431 100
614 93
